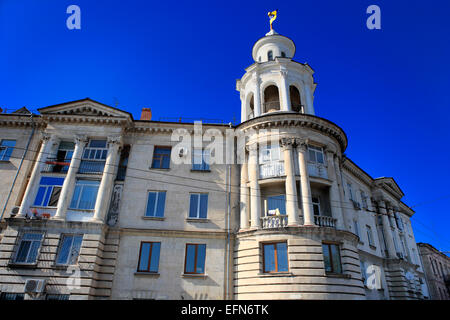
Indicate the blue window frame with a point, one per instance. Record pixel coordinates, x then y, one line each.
149 257
85 194
12 296
48 192
161 158
195 258
155 204
198 207
29 248
275 257
96 150
69 249
200 159
276 202
6 149
331 258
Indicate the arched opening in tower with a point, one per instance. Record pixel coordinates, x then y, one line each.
296 104
271 99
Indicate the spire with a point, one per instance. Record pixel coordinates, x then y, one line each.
273 16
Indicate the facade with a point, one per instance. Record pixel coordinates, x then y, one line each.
437 271
109 207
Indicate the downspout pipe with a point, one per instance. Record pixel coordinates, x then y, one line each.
33 124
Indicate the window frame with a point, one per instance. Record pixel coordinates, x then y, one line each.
329 244
161 157
48 188
19 244
61 243
273 198
199 194
316 150
157 199
103 151
204 165
149 257
4 156
80 193
370 238
275 252
316 204
357 229
195 259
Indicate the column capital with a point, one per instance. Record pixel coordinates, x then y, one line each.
283 72
256 79
301 144
114 140
287 142
251 147
80 138
46 136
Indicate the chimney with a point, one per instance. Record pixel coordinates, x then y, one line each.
146 114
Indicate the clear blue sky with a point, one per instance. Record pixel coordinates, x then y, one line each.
388 89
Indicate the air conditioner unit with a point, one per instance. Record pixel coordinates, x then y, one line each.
34 286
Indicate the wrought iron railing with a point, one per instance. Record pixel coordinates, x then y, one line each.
325 221
271 169
91 166
270 222
56 165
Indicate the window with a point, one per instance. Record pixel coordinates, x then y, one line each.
370 235
356 226
350 191
161 158
48 192
269 153
6 149
198 205
316 205
195 259
276 202
85 194
200 159
315 154
275 257
69 249
270 55
398 221
363 271
95 150
283 54
57 297
155 204
29 248
331 258
149 257
365 205
12 296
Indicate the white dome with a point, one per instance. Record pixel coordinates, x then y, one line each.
271 46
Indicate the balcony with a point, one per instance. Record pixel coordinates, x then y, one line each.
55 165
271 169
91 166
272 106
325 221
271 222
317 170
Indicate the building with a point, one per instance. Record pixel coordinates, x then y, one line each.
109 207
437 271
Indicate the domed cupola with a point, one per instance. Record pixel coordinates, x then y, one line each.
275 82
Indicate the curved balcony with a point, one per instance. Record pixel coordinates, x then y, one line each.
325 221
273 222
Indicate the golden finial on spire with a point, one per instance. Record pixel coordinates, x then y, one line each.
272 15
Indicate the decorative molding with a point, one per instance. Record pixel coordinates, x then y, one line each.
80 139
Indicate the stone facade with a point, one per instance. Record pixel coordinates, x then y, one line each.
109 207
437 271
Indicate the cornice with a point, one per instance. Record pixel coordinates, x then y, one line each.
10 120
291 119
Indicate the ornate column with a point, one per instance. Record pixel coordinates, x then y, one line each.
69 181
284 91
308 215
335 201
243 108
109 174
309 100
394 229
257 95
244 197
291 188
387 229
255 192
30 192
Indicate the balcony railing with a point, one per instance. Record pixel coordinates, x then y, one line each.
271 169
56 165
91 166
317 170
270 222
271 106
325 221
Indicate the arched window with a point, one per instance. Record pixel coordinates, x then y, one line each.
283 54
296 104
270 55
251 112
271 99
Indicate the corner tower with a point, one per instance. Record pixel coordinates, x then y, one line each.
275 82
